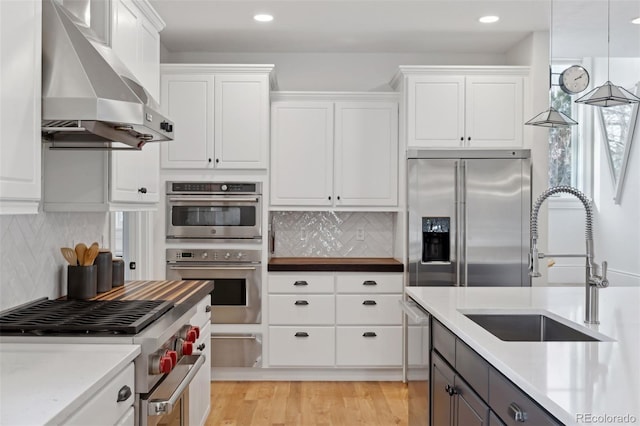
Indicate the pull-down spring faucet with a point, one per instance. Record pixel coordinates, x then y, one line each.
592 281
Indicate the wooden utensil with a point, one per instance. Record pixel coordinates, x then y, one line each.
70 255
81 248
91 254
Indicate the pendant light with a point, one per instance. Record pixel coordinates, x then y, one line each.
551 117
608 94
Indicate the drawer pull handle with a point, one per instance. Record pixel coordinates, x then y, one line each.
301 283
124 393
301 302
369 282
516 412
369 302
369 334
302 334
207 308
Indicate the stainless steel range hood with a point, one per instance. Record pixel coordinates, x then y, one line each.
90 100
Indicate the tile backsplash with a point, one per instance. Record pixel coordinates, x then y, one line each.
31 265
333 234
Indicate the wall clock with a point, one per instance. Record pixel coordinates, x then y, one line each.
574 79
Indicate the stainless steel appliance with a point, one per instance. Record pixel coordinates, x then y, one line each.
236 350
164 369
468 217
237 296
214 211
468 225
89 97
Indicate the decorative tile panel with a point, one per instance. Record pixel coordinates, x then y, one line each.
333 234
31 265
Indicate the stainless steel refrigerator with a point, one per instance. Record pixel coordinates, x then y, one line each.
468 226
469 217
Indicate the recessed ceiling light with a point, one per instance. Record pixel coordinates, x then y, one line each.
636 21
489 19
263 17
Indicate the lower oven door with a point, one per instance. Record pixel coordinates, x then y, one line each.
168 403
237 296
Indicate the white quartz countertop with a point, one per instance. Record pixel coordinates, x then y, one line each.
43 384
578 382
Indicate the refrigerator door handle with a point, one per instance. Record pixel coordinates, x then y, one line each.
456 228
463 228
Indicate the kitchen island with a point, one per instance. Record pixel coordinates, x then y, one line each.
577 382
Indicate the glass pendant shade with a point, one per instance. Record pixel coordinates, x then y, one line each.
608 95
551 118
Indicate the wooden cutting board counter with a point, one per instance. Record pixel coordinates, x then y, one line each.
335 264
179 292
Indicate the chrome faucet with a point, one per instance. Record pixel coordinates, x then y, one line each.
592 281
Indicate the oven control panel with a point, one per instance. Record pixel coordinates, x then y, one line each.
214 255
214 188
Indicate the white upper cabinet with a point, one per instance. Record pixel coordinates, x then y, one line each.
136 175
20 82
221 115
452 107
334 150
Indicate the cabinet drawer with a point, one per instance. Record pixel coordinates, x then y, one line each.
376 309
503 394
302 346
300 283
306 309
444 342
369 346
104 407
369 283
473 368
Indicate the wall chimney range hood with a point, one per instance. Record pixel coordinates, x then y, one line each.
90 100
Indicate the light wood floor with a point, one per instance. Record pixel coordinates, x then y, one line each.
308 404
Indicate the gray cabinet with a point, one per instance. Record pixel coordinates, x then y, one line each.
467 391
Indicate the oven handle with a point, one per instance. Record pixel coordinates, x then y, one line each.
213 200
160 408
214 268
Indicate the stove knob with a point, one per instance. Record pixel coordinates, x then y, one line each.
224 187
166 365
240 255
227 255
205 255
197 330
187 348
174 357
192 336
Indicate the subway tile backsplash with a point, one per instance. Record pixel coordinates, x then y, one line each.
31 265
333 234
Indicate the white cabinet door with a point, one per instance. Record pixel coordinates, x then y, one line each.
302 346
366 154
376 346
435 111
302 153
288 309
149 58
241 121
125 36
135 175
200 387
494 111
20 82
188 100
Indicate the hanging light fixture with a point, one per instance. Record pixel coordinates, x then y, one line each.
608 94
551 117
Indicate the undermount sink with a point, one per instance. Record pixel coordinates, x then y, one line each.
529 328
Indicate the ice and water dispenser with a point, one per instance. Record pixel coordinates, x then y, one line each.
435 239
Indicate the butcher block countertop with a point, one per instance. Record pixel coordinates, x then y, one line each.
337 264
179 292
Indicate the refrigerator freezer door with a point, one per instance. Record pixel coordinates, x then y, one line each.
432 194
495 207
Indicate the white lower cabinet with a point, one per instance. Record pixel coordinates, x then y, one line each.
335 319
104 408
378 346
302 346
128 419
200 387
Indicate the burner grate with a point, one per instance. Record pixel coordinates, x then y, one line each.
84 316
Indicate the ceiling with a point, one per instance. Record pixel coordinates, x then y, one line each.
400 26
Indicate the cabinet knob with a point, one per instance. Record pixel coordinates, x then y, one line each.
338 198
201 347
517 413
329 197
142 190
461 138
210 160
217 160
124 393
207 308
469 138
451 390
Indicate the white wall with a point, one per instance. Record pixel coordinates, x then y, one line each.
335 71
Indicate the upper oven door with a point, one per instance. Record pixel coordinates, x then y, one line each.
214 217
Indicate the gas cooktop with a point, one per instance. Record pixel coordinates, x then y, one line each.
44 316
